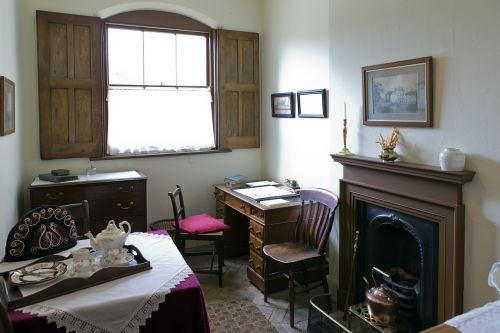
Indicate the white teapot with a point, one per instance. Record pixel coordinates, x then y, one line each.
110 239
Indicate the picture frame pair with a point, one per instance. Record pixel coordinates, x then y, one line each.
310 104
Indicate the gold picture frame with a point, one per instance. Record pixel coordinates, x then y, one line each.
7 106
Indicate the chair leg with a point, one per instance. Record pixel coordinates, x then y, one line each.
291 297
220 259
266 277
325 283
214 250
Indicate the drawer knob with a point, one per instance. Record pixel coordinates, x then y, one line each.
54 197
258 234
121 189
119 205
242 206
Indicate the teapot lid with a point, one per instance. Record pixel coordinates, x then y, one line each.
382 295
111 229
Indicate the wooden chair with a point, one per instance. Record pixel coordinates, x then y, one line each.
307 252
5 324
80 213
197 227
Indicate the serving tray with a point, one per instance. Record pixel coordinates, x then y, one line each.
70 284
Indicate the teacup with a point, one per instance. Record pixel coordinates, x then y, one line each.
83 262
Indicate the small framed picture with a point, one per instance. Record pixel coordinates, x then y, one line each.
312 103
7 106
283 105
398 94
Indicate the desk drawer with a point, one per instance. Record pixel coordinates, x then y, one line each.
256 230
256 263
219 195
238 204
219 209
255 245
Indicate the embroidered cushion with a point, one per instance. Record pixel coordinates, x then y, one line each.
202 223
42 231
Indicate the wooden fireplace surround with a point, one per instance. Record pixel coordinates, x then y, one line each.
423 191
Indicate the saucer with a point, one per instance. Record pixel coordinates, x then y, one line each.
122 259
72 274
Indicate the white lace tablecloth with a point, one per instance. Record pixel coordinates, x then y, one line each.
121 305
485 319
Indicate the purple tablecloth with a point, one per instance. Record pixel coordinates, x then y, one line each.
182 312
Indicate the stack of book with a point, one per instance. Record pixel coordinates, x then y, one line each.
235 181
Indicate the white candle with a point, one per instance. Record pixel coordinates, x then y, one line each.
345 112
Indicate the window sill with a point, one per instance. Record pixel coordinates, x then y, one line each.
119 157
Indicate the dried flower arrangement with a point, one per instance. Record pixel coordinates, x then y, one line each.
390 142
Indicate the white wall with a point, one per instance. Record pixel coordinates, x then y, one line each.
196 173
461 36
10 145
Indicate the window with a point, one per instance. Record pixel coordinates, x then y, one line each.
172 84
159 94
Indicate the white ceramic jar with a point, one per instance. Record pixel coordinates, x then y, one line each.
451 159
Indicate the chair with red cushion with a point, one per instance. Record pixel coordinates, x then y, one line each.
197 227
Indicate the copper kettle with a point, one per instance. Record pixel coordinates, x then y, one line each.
382 302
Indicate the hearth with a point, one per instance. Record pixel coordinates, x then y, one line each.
410 219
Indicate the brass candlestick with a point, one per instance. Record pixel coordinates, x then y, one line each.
345 150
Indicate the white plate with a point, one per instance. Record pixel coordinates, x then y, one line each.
38 273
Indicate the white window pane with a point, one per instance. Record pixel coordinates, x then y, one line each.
142 121
125 60
159 58
191 60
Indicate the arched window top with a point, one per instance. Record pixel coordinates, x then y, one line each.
158 19
158 7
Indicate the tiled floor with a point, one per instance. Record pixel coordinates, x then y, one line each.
237 286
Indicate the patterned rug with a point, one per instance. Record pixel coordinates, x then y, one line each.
240 316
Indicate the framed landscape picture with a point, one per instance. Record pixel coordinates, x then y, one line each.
398 93
7 106
282 105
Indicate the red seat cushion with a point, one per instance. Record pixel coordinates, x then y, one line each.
202 223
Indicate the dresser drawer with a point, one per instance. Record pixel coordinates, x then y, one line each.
256 229
56 196
116 190
136 222
256 263
255 245
118 207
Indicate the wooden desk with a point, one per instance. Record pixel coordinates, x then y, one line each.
112 196
252 226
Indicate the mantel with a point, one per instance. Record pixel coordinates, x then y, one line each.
405 168
418 190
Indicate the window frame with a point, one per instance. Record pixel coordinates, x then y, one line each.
133 21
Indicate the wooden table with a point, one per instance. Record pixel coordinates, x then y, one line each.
182 311
254 225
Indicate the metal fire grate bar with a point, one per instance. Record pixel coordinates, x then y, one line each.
360 310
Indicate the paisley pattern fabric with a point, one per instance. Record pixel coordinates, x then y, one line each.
42 231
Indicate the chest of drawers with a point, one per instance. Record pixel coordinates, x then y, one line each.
119 196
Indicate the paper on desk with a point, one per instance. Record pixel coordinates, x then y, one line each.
275 202
262 183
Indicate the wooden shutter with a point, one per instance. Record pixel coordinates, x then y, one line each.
238 82
70 85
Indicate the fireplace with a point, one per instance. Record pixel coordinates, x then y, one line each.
410 220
